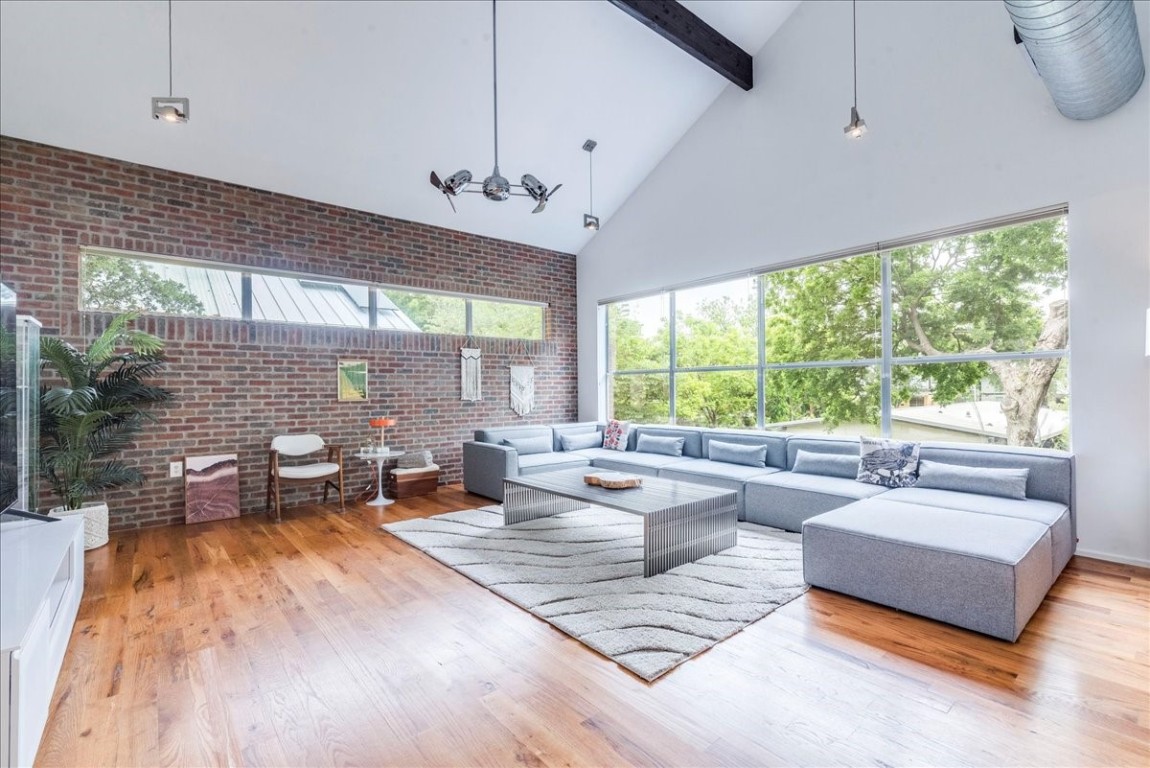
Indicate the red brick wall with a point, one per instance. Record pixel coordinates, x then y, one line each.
239 383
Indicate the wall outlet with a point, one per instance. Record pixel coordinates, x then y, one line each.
176 469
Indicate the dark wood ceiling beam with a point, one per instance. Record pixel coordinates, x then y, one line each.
693 35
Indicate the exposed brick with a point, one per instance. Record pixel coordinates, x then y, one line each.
240 383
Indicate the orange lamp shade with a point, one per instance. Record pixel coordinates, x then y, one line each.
382 421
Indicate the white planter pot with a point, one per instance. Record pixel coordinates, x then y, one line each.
95 521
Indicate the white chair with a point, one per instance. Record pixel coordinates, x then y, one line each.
300 474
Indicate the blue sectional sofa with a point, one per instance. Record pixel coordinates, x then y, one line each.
975 549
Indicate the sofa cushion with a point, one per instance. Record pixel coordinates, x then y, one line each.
734 453
716 473
525 446
578 428
776 443
989 481
615 435
580 440
498 434
631 461
1051 475
893 463
829 464
1049 513
785 499
552 461
693 439
666 446
820 444
708 468
982 572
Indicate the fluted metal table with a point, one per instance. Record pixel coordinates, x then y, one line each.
682 522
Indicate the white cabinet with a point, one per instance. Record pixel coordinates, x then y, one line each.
41 582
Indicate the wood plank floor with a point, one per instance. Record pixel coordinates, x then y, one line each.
325 641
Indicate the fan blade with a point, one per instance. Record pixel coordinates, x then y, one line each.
549 194
452 203
542 204
435 182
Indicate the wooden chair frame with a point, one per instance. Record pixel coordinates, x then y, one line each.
274 480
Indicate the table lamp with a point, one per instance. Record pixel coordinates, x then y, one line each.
382 422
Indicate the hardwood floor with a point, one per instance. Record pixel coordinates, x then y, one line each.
325 641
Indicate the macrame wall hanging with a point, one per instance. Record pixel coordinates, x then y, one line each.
522 389
470 374
523 386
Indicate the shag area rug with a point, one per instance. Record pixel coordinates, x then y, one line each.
582 572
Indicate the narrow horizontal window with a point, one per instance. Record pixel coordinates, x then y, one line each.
115 281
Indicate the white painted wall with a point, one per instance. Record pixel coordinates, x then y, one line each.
960 132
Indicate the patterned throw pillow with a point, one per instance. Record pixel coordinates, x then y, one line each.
615 436
892 463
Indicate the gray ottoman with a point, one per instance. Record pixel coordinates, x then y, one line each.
982 572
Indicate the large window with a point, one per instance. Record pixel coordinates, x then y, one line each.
953 338
118 282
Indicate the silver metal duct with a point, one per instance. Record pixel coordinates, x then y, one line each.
1086 51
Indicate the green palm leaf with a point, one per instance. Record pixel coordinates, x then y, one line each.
99 410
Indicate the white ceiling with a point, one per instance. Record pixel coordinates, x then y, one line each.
354 103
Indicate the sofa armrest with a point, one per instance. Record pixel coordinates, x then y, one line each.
485 465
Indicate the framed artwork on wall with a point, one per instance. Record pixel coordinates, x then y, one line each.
352 380
211 488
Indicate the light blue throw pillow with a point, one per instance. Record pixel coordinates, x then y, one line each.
525 446
581 440
734 453
989 481
829 464
667 446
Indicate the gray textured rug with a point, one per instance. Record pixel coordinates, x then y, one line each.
583 572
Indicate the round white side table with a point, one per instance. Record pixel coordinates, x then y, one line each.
380 458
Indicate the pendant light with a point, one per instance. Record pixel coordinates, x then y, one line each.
857 126
590 221
170 109
495 187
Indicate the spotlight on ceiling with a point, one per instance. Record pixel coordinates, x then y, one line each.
857 126
170 109
590 221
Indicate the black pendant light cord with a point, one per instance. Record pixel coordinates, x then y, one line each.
170 91
494 81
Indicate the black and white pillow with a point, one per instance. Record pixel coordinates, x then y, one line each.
892 463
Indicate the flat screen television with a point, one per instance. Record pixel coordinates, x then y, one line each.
9 471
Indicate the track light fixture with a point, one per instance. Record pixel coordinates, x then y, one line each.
590 221
170 109
495 187
857 126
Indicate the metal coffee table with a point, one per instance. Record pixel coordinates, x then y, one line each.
682 522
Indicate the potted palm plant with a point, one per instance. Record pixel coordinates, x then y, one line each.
94 413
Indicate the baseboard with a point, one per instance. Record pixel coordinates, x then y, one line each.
1113 558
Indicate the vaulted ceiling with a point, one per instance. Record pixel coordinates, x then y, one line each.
354 103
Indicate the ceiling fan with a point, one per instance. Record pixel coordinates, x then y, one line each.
495 187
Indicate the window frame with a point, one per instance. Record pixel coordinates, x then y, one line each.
246 274
885 362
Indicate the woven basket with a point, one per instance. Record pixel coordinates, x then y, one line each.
95 521
414 460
